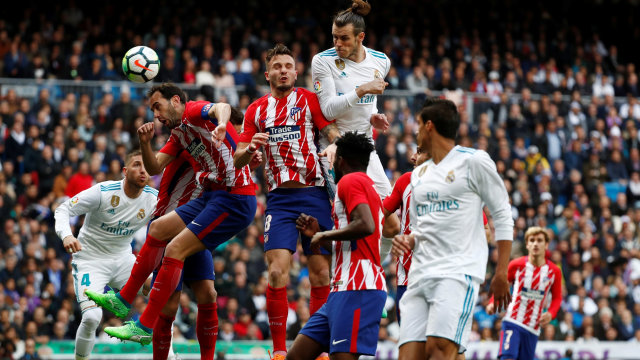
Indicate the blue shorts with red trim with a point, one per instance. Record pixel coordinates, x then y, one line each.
348 322
399 292
217 216
516 342
198 266
284 206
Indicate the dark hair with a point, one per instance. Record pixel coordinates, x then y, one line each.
279 49
130 156
443 114
237 117
354 16
355 149
168 90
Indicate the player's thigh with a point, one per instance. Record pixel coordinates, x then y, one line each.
412 350
415 310
92 275
121 271
509 347
314 337
376 172
354 320
452 302
304 347
315 202
167 226
198 274
441 348
319 269
223 217
528 342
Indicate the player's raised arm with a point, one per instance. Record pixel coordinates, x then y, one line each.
153 163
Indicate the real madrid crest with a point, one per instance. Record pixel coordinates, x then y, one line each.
451 177
141 214
340 64
115 200
377 74
422 171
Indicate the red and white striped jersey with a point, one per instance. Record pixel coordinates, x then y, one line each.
400 198
177 186
292 124
531 287
194 136
356 264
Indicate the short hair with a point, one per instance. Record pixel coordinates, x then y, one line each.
279 49
130 156
354 148
535 230
237 117
444 116
168 90
354 15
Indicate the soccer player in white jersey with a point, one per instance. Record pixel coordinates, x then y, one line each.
449 245
347 79
534 277
102 255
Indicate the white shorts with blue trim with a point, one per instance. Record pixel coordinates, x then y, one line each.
439 307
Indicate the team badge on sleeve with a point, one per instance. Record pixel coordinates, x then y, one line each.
205 111
115 200
317 87
340 64
73 201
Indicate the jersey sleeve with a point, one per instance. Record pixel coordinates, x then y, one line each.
353 192
317 116
249 127
485 181
556 292
84 202
197 112
393 202
331 104
173 146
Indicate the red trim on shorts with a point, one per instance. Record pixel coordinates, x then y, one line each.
354 332
501 339
213 225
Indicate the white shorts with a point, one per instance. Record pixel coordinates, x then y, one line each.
96 274
439 307
375 171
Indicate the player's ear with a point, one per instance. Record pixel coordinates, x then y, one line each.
266 75
361 37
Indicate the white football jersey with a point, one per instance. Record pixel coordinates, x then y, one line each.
335 81
446 214
111 218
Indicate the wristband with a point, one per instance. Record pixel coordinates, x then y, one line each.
250 151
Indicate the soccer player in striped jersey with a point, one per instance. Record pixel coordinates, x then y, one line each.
177 187
450 249
226 207
102 255
347 325
287 123
347 79
534 278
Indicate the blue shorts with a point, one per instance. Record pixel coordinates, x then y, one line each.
217 216
399 292
348 322
198 266
284 206
516 342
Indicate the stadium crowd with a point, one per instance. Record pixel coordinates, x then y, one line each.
554 103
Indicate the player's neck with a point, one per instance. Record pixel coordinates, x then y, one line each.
440 148
280 94
358 55
536 260
131 190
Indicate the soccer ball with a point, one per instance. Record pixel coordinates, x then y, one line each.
140 64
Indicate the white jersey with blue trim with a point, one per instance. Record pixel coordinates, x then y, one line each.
335 80
446 214
111 218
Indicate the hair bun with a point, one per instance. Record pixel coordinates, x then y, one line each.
360 7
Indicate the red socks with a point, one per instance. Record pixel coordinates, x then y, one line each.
165 284
148 259
162 337
207 330
278 309
319 296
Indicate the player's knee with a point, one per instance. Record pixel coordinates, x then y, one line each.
276 275
319 277
91 318
206 295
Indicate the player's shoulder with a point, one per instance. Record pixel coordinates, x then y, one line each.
326 55
357 177
149 191
521 261
261 101
403 180
470 155
110 185
420 170
377 55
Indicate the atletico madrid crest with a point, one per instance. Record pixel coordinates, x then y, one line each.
294 113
